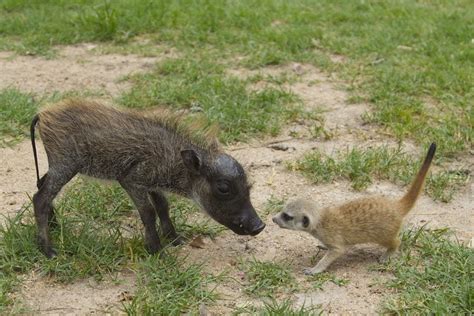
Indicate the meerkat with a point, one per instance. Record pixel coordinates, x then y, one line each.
375 219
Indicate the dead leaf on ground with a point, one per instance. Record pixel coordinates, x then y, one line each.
197 242
125 296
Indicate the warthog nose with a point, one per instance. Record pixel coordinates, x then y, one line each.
258 230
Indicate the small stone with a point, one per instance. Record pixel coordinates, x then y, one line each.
125 296
197 242
298 69
281 147
241 275
90 46
203 310
378 61
196 107
403 47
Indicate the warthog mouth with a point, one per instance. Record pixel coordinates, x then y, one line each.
240 230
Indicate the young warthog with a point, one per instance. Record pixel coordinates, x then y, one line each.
147 155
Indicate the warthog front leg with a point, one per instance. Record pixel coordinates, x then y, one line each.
162 209
139 196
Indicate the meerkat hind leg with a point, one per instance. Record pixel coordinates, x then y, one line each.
322 265
392 249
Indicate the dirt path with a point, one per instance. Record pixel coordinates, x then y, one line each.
76 68
268 172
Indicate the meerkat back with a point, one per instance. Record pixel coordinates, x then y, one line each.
371 219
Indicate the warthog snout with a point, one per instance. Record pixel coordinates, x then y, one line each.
258 229
247 224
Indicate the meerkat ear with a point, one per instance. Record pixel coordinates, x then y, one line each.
305 221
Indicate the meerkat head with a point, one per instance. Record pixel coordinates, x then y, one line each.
296 215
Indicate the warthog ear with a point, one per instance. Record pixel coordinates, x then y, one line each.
191 160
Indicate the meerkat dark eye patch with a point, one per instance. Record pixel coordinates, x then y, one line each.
305 221
286 217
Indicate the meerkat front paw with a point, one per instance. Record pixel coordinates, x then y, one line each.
308 271
311 271
386 257
383 259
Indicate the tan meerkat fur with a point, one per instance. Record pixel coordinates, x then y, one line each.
376 219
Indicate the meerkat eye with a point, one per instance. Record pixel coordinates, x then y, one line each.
286 217
305 221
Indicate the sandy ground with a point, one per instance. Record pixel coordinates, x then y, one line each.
78 67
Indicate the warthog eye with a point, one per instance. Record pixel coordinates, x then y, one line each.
286 217
223 188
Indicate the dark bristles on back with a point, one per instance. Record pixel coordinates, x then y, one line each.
193 127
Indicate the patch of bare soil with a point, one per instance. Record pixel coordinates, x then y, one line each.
77 68
363 293
17 171
266 166
318 91
80 298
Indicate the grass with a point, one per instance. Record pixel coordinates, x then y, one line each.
88 237
266 278
274 205
193 83
278 308
169 287
360 166
144 46
188 220
411 60
95 237
88 246
16 111
6 284
318 280
198 84
433 275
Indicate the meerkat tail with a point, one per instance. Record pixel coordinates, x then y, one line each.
411 196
